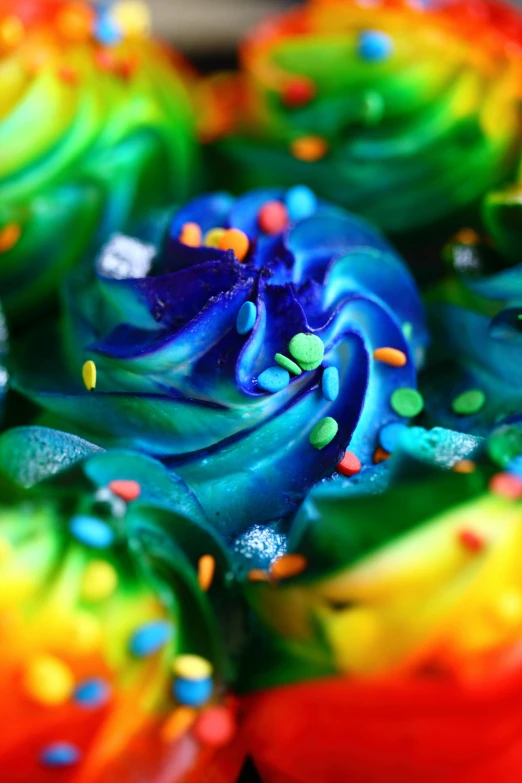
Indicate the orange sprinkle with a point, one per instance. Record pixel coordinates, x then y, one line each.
471 540
309 148
9 236
128 67
464 466
380 455
190 235
391 356
11 32
287 566
105 60
178 723
236 240
206 570
467 236
258 575
75 21
68 75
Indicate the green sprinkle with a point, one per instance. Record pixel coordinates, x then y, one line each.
307 350
407 402
407 330
323 433
469 402
519 316
288 364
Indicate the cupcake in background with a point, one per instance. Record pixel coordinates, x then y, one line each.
111 666
387 642
298 333
390 108
96 126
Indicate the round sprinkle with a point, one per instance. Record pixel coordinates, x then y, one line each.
374 46
126 489
274 379
91 531
309 148
215 726
323 433
9 236
288 364
307 350
301 203
89 375
464 466
92 693
99 581
246 318
178 723
60 754
390 435
469 402
350 465
407 402
380 455
48 680
190 235
258 575
11 31
288 565
237 241
150 638
213 237
273 217
330 383
407 330
206 570
193 693
506 485
192 667
471 541
299 92
391 356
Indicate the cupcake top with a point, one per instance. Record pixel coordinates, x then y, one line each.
109 659
364 100
420 581
115 134
247 344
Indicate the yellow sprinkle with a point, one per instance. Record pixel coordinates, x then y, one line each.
6 550
464 466
213 237
84 633
11 32
9 236
206 570
287 566
48 680
132 16
99 581
89 375
258 575
178 723
192 667
309 148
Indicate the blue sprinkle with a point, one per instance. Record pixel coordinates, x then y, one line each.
192 693
60 754
92 693
91 531
515 466
150 638
330 383
375 46
301 203
274 379
390 435
246 318
106 30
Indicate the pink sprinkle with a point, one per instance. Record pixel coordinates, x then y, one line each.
506 485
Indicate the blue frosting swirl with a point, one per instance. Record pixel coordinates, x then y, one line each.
177 380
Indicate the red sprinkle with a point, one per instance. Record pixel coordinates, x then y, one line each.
126 490
299 92
68 74
507 485
471 541
349 465
215 726
273 217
